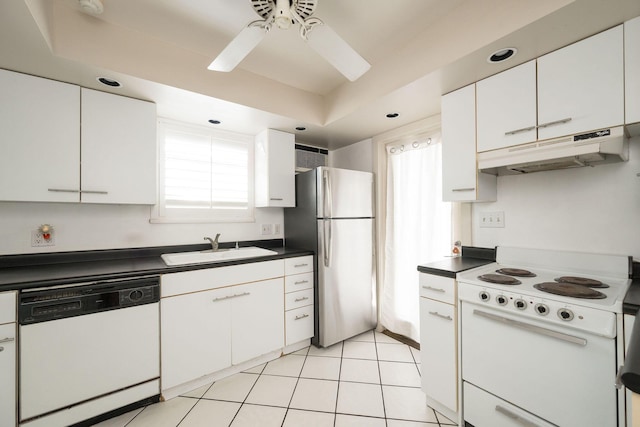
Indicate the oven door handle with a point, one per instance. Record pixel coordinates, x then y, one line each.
532 328
517 418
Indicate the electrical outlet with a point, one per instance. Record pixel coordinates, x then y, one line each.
492 219
277 228
267 229
37 239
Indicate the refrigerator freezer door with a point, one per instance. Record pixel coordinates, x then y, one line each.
346 280
344 193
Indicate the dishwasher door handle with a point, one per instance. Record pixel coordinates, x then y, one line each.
515 417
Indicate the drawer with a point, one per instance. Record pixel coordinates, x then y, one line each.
298 282
298 265
298 299
211 278
7 307
438 288
298 324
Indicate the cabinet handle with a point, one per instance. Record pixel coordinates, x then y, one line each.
300 265
302 282
514 132
62 190
276 199
94 192
244 294
301 299
6 340
517 418
442 316
301 317
464 189
554 123
433 289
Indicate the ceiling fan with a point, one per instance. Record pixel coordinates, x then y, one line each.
284 13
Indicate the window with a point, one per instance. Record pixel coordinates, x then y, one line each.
205 175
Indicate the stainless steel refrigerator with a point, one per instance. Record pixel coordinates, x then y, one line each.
334 216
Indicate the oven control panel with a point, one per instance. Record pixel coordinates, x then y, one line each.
595 321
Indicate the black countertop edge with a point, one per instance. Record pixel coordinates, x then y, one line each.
46 275
23 260
472 257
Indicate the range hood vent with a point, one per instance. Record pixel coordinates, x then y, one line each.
588 149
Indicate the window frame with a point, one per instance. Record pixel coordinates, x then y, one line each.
161 214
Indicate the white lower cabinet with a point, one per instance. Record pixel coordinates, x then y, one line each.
299 300
438 343
8 359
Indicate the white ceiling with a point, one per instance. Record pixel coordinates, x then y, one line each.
418 49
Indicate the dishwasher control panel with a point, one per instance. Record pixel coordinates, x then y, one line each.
46 304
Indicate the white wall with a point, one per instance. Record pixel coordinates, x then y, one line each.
358 156
89 227
588 209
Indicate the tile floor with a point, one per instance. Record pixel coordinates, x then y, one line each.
370 380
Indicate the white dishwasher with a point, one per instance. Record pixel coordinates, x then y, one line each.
88 349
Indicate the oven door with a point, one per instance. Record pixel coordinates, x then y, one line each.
563 376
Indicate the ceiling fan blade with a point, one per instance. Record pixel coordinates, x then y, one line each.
238 48
337 52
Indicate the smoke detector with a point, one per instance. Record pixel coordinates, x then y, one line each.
91 7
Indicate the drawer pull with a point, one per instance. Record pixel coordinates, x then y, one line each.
301 299
464 189
300 265
6 340
301 317
94 192
302 282
276 199
515 417
244 294
442 316
62 190
433 289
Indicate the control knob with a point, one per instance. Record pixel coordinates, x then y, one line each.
542 309
501 300
484 296
520 304
565 314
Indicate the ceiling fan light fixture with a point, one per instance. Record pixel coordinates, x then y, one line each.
91 7
283 18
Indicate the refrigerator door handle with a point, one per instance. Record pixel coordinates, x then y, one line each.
326 242
328 208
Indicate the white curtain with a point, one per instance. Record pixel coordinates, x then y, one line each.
418 230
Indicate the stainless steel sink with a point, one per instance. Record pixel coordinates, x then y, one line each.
182 258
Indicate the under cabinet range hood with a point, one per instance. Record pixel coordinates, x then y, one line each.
587 149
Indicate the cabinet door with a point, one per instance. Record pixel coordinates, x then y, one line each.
275 169
8 374
196 335
580 87
506 108
299 324
39 130
257 323
632 70
438 352
460 179
118 149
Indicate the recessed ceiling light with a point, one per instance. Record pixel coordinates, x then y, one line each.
301 128
109 82
502 55
214 122
392 115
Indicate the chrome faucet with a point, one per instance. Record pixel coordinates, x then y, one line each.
214 242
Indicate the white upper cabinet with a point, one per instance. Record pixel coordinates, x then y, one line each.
40 139
581 86
632 70
460 178
275 169
61 143
506 108
118 149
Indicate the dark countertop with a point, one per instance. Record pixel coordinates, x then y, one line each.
52 269
631 303
472 257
